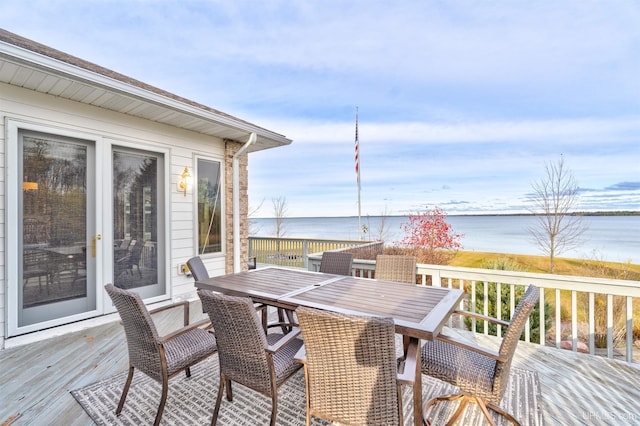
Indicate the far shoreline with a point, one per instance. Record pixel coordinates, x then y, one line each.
595 213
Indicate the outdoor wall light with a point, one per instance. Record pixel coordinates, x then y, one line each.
29 186
185 181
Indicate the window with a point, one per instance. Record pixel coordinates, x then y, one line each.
209 207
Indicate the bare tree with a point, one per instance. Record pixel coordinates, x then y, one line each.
279 212
381 230
554 197
253 228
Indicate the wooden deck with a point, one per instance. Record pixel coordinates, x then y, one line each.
36 378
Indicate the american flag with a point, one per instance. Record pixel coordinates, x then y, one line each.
357 154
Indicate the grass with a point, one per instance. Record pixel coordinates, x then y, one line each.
563 266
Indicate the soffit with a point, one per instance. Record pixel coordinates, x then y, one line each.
93 85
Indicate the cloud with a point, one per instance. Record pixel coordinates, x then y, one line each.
460 104
624 186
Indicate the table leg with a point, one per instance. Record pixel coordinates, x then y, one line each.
417 384
417 390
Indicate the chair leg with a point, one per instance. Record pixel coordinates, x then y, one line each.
274 408
307 401
214 419
265 319
463 404
229 391
450 397
484 407
187 371
291 318
163 400
281 319
125 390
400 413
503 413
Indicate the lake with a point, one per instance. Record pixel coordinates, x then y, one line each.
610 238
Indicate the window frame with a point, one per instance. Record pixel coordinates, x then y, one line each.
196 213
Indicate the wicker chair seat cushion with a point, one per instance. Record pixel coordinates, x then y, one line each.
472 372
283 362
188 348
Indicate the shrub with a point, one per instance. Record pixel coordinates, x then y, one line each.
505 264
430 237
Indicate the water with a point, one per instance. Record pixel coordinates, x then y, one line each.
610 238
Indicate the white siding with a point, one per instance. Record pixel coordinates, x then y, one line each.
56 113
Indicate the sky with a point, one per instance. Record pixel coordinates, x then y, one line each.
461 104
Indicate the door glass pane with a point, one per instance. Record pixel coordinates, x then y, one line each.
136 220
209 207
54 226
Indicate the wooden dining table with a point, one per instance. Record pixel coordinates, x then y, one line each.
419 312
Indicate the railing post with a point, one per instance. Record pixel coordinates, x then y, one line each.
609 326
305 254
558 319
629 339
436 279
592 326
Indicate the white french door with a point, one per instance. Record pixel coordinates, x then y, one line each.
56 230
81 212
138 236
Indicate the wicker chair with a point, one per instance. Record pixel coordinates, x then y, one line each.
396 268
351 371
197 268
159 357
199 273
247 355
481 374
336 262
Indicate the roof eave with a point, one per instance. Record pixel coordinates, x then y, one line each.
24 57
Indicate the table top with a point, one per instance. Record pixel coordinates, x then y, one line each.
418 311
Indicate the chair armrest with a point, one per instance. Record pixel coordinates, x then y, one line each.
301 355
286 339
482 317
183 330
408 374
472 347
184 304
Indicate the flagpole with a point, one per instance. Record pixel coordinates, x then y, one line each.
358 175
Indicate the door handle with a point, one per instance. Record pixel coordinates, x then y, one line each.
93 244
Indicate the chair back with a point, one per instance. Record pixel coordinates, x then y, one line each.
350 367
240 338
197 268
136 251
396 268
512 337
336 262
142 337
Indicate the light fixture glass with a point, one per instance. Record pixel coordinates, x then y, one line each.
185 181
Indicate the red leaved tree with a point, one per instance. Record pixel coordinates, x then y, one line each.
433 239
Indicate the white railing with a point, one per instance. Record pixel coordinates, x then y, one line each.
609 303
293 252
